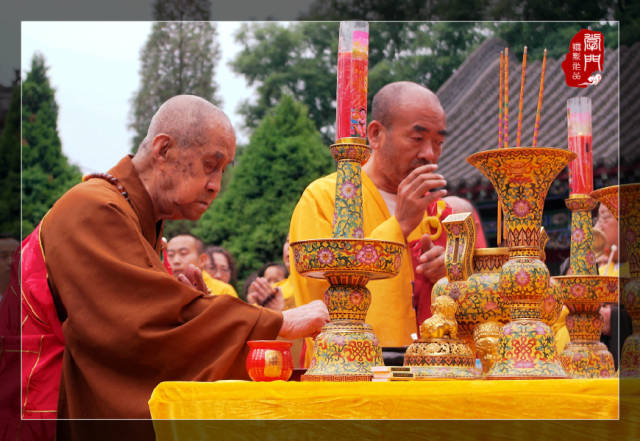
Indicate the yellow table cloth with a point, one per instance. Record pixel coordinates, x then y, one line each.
457 399
502 402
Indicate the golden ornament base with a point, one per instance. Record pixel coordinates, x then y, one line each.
441 358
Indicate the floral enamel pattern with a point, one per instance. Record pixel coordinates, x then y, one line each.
527 349
344 351
347 215
521 177
377 259
584 356
461 238
524 281
583 259
347 348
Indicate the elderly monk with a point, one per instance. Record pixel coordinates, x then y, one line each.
128 324
186 249
401 202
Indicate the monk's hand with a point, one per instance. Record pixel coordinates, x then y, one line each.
415 194
304 321
263 294
431 261
193 277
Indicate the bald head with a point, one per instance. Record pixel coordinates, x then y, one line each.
180 162
189 119
390 100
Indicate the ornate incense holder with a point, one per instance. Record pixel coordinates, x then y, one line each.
521 177
585 292
347 348
438 353
628 215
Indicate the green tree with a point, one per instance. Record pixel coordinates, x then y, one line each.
178 58
251 219
10 170
300 60
46 173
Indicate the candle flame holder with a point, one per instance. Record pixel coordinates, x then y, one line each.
346 349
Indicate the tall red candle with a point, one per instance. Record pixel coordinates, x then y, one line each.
580 142
351 99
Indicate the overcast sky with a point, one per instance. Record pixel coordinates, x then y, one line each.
93 66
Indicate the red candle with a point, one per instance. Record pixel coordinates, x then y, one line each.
343 110
580 142
351 99
581 168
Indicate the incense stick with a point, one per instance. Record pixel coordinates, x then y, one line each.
524 69
540 93
506 97
500 100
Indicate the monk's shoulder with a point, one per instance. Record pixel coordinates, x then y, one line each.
324 186
90 198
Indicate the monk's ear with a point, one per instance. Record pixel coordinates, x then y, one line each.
376 133
203 260
161 146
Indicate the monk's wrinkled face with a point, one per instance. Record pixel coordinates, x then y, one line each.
412 138
181 251
192 176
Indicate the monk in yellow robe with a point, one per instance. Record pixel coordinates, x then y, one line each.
399 184
128 324
186 249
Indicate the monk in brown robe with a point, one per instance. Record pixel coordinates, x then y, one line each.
128 324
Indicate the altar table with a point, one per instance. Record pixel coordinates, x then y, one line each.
556 401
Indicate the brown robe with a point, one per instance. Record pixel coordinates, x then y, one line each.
129 324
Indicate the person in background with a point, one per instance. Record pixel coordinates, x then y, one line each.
616 328
609 260
186 249
278 287
220 264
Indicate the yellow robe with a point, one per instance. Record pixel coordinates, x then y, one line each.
218 287
297 346
287 288
614 270
391 313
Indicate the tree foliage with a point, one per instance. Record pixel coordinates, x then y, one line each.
300 60
178 58
251 219
181 10
46 173
10 169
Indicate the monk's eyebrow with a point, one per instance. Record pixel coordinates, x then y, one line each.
419 128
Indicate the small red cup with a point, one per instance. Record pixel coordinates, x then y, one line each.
269 360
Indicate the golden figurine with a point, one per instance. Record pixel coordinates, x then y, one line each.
486 337
438 353
443 321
